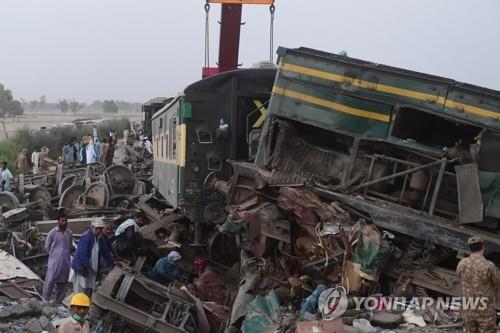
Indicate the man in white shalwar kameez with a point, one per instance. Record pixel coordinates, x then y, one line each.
91 153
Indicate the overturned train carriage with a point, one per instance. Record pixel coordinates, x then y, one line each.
213 120
419 154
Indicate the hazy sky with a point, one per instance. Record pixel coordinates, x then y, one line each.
138 49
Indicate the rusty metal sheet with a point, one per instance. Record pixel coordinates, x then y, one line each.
279 230
77 225
12 291
470 202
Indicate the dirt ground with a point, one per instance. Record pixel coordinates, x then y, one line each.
34 121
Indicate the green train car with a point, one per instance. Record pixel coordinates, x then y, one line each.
214 120
419 154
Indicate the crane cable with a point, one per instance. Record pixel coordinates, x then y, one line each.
207 35
272 9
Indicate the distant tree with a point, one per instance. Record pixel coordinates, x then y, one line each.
63 105
75 106
109 106
16 109
42 101
96 105
8 105
33 104
123 105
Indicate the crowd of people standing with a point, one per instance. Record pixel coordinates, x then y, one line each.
89 150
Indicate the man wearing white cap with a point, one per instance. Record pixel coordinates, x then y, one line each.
90 251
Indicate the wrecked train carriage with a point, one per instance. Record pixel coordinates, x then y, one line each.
148 109
215 119
129 301
416 152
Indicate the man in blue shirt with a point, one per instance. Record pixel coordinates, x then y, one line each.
71 151
6 177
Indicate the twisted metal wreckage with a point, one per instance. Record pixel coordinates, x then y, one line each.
279 241
318 207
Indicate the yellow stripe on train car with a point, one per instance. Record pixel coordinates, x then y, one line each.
332 105
363 84
391 90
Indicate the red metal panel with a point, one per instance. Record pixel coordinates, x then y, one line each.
208 71
229 37
242 2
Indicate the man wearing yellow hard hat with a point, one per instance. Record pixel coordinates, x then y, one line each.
77 323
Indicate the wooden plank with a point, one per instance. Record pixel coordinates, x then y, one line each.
470 201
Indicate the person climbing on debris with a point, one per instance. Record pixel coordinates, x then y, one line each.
128 237
35 159
85 265
166 269
22 161
479 278
58 246
6 177
77 323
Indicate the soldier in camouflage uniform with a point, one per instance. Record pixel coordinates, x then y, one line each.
479 279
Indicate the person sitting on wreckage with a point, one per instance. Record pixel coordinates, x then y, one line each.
167 270
128 237
92 249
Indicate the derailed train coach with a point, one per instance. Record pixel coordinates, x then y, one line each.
214 120
419 154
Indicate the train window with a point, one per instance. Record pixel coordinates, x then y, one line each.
174 136
156 146
167 145
204 135
428 129
214 161
161 123
162 146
